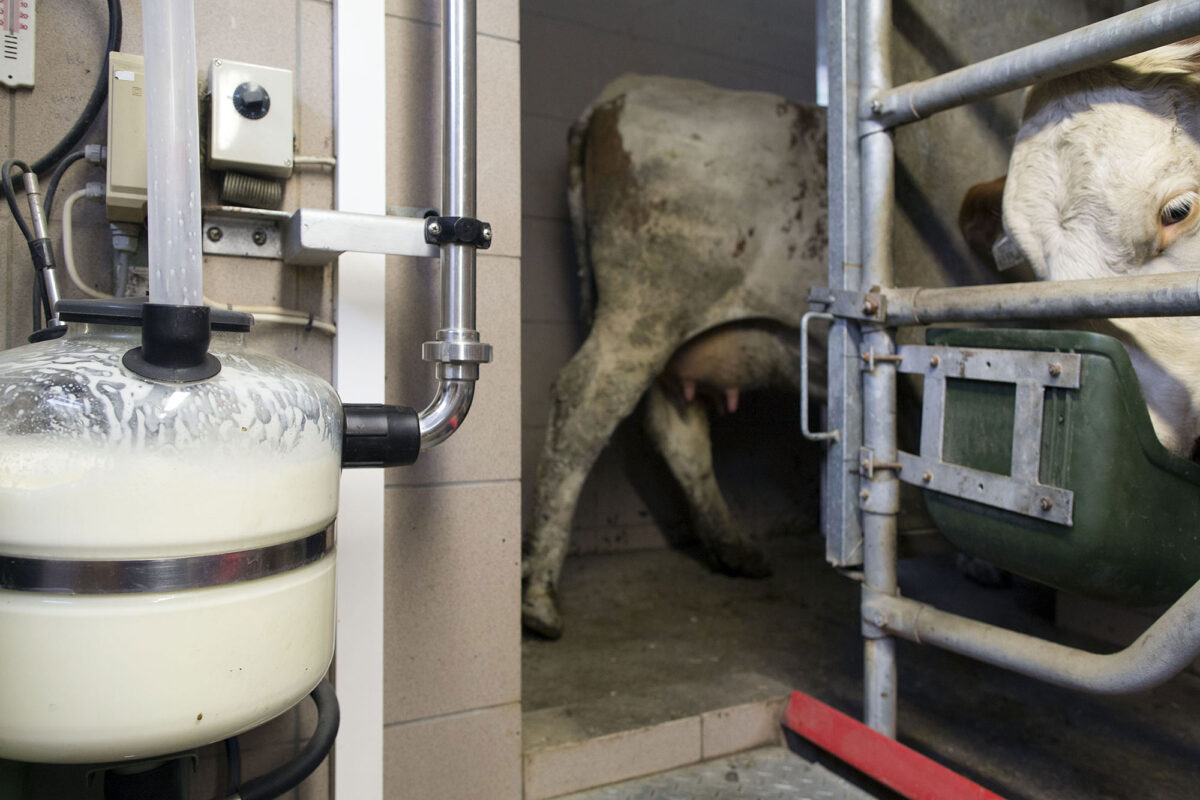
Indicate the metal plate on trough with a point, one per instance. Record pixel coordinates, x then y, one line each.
990 489
984 364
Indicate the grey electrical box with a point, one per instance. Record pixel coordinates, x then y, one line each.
125 184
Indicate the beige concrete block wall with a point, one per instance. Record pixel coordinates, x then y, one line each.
569 52
452 722
453 673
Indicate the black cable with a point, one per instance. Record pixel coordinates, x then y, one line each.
39 292
233 765
11 196
99 95
290 775
52 186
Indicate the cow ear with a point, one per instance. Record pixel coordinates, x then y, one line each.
1190 53
1178 57
980 218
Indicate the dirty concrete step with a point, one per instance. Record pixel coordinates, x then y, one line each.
769 773
634 733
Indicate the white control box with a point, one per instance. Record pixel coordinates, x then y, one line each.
251 118
125 190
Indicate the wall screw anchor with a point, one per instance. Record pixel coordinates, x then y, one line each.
1055 370
864 494
870 307
876 106
1047 504
934 361
487 234
214 234
434 228
259 236
926 476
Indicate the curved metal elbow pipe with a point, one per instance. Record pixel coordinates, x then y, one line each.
1167 646
446 411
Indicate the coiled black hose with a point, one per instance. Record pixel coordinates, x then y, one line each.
99 94
290 775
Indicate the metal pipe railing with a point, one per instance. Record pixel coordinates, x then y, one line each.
1125 34
1162 295
457 349
880 494
1166 647
1175 640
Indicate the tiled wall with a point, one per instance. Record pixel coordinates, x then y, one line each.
570 51
452 708
452 703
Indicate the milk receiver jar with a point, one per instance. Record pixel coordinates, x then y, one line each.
166 547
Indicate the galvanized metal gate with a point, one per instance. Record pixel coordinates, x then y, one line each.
863 468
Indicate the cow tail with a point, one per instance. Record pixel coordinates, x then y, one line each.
576 157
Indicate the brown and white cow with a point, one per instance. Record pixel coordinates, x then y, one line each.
700 213
1104 180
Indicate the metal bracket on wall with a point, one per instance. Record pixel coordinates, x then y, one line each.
312 236
866 306
243 232
1031 372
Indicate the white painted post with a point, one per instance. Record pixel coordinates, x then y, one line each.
360 144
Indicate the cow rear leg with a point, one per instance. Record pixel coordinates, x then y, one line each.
598 387
682 436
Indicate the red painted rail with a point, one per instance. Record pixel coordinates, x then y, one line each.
898 767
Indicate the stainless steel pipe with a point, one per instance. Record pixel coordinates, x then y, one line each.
1166 295
880 494
458 158
1125 34
1167 647
457 349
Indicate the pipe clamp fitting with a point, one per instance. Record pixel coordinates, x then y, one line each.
456 352
457 347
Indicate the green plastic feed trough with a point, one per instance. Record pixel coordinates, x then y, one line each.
1135 536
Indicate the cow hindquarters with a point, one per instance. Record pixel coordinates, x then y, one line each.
681 434
598 387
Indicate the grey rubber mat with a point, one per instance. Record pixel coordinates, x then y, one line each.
772 773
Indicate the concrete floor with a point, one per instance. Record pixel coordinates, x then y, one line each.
768 773
654 636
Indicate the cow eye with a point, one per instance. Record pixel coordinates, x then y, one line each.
1177 209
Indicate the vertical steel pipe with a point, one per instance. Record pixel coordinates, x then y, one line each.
458 158
880 495
457 350
839 486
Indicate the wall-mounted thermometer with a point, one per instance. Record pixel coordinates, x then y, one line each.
16 30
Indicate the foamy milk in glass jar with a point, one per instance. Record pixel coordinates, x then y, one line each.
166 550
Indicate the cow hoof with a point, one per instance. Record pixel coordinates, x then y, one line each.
743 561
539 613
